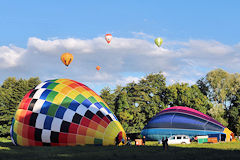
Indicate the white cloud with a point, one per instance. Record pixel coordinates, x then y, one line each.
126 80
209 47
142 35
60 45
10 56
184 61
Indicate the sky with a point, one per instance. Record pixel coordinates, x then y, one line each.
198 36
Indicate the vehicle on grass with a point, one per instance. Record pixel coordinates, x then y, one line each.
179 139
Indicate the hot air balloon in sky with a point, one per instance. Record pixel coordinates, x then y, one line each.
64 112
98 68
108 38
158 41
67 58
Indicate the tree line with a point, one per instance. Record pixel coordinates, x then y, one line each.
11 93
216 94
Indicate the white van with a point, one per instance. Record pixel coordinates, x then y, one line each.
179 139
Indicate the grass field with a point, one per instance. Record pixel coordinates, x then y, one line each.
152 150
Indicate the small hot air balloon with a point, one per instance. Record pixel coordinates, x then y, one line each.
67 58
158 41
108 38
98 68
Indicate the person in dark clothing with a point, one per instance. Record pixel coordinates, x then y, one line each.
143 140
128 141
163 143
166 143
123 140
116 141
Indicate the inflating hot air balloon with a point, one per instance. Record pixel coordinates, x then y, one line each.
158 41
108 38
67 58
64 112
184 121
98 68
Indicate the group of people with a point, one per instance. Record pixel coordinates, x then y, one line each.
165 143
119 140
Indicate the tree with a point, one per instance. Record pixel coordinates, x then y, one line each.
222 88
183 95
108 98
233 88
153 94
238 126
203 86
123 111
217 112
135 108
128 114
11 93
145 99
137 103
234 113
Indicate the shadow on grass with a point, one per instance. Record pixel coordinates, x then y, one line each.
6 144
114 153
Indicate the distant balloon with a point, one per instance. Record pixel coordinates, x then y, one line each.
158 41
67 58
108 38
98 68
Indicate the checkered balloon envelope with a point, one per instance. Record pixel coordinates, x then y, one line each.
64 112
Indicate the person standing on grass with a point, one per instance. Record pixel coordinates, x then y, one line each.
128 141
123 140
166 143
143 140
163 143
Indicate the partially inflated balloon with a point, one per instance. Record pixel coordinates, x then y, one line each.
108 38
98 68
158 41
67 58
64 112
180 120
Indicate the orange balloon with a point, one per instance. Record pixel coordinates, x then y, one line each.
98 68
67 58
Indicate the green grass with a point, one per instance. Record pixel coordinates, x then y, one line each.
152 150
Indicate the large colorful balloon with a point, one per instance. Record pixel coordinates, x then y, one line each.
108 38
64 112
98 68
67 58
184 121
158 41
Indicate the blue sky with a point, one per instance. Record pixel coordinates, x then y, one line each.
198 36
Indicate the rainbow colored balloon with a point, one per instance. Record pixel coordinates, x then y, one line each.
64 112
